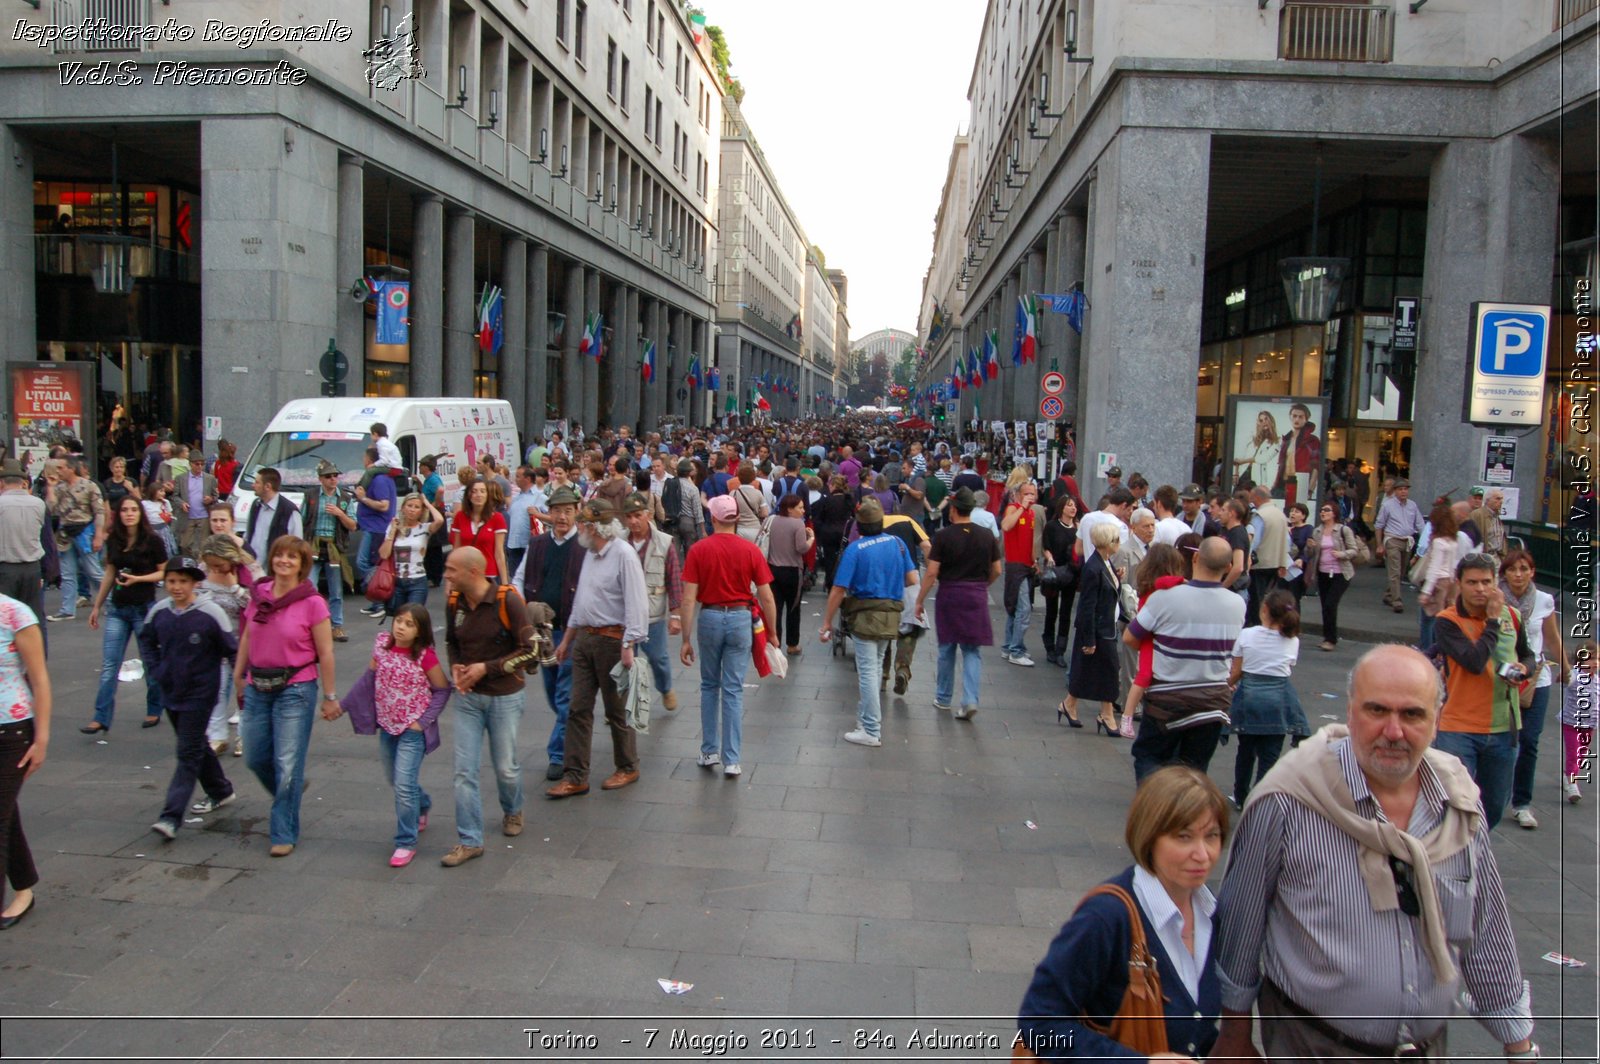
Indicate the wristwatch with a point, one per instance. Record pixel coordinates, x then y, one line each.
329 696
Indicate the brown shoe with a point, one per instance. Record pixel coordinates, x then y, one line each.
513 825
567 789
669 701
620 779
460 855
282 849
339 636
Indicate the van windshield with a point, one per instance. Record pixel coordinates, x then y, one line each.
295 455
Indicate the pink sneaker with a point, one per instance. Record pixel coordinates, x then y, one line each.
401 858
422 822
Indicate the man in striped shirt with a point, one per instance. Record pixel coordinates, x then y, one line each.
1192 628
1362 894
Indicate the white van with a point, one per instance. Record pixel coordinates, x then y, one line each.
307 431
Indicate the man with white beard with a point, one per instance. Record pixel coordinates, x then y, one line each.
610 616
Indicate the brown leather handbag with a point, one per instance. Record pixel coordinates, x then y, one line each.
1140 1022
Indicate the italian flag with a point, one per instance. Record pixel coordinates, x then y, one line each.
1029 309
697 27
589 343
760 400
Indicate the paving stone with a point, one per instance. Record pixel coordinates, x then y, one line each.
176 884
665 926
738 889
777 824
964 903
491 964
948 992
639 883
1044 906
802 936
574 877
852 896
869 829
823 799
1007 949
623 974
915 943
827 988
750 986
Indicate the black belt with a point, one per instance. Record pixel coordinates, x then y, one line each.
1417 1047
735 607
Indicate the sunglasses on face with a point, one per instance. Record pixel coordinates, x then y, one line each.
1406 887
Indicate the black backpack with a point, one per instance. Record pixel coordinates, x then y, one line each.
671 501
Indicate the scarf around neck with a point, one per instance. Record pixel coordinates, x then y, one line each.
1313 776
266 605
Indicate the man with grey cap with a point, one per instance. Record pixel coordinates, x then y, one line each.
22 522
549 574
331 516
609 617
1396 528
663 581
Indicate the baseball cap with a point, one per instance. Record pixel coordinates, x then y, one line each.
563 496
635 502
1191 492
1476 493
186 566
723 509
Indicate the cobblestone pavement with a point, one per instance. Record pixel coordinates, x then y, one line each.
831 890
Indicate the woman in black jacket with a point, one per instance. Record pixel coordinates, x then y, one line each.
1094 672
830 519
1060 533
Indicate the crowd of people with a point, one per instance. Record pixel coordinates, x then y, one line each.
1175 612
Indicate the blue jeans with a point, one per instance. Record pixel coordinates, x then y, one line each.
1528 748
655 652
71 559
725 638
1490 760
944 684
1020 584
413 589
367 555
402 763
335 595
869 677
120 624
276 730
558 692
497 716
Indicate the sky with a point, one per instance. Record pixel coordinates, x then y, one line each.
855 103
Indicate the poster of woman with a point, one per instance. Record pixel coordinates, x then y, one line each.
1273 441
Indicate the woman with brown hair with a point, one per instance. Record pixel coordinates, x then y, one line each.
1438 588
479 523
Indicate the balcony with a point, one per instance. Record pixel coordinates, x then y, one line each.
77 254
1337 33
1569 11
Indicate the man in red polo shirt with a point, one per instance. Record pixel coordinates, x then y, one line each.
1017 525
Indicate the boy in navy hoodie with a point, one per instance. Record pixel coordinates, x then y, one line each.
184 642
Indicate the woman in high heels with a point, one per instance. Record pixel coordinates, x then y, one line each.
1093 672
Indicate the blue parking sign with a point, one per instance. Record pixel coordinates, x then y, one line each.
1510 346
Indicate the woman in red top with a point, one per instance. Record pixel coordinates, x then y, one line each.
480 524
227 468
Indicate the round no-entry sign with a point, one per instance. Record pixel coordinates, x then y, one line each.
1050 407
1053 383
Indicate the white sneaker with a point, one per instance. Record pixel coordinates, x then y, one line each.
861 738
1570 789
730 771
1021 659
941 706
966 712
166 829
1525 818
234 720
209 804
709 760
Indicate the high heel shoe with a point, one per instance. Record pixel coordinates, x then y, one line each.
94 728
1109 728
1072 722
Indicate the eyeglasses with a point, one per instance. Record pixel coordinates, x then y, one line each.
1406 887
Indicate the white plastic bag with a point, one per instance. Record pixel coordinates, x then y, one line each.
778 661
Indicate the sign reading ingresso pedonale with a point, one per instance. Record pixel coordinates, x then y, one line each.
1509 348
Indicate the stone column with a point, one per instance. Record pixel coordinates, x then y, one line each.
514 353
460 322
1028 393
635 390
1069 271
571 360
427 297
681 342
647 326
624 358
1006 321
352 316
1150 209
18 315
531 413
591 366
1491 237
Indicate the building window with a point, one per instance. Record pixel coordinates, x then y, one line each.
676 163
611 68
677 70
626 72
658 123
649 112
650 27
580 29
561 21
627 8
661 40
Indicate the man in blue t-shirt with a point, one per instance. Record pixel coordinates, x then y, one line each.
378 506
876 570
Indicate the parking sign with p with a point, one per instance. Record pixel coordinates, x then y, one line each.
1510 345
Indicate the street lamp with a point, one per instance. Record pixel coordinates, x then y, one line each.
1311 282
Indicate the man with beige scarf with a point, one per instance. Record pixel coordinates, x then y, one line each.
1362 894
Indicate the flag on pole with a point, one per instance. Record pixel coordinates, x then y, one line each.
589 342
1028 323
491 320
732 405
714 381
693 376
760 400
991 354
1072 304
954 380
974 369
697 26
647 365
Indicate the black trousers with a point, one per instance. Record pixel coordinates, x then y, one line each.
1154 748
15 856
196 761
1330 589
1262 584
23 582
1257 754
786 590
1058 609
433 557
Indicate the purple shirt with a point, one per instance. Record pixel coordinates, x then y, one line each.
381 489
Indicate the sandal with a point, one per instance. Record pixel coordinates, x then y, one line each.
1065 709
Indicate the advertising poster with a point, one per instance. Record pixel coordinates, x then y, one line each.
51 403
1275 441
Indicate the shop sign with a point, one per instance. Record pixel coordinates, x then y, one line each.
1509 349
1407 322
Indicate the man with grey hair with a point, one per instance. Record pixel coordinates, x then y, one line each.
75 502
1270 563
610 616
1365 843
1396 528
1486 521
22 520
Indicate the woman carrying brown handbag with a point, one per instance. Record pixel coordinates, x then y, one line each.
1131 973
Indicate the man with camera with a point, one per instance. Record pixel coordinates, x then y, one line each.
1487 661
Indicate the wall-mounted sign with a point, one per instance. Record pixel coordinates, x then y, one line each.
1510 345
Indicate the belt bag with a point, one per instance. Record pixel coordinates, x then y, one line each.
873 618
271 681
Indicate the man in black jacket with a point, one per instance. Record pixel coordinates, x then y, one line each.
549 574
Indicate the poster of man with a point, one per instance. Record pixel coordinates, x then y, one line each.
1273 441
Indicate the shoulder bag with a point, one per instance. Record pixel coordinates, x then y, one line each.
381 581
1363 552
1140 1022
764 533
